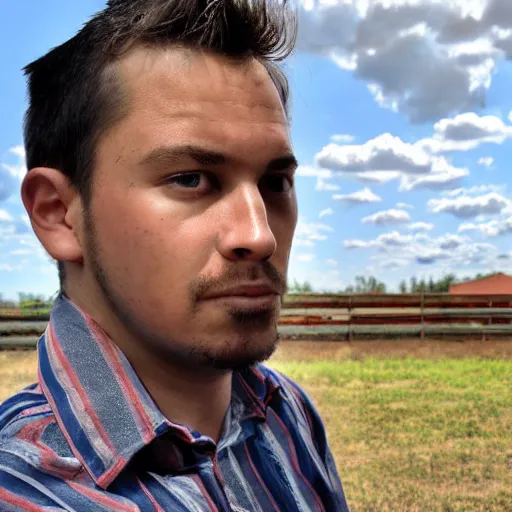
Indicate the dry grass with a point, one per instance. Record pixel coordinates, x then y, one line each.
17 370
414 426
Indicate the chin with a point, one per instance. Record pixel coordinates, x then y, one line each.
237 354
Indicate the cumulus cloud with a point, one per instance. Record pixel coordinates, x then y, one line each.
422 249
307 170
12 174
383 153
5 216
386 158
387 217
404 206
476 189
486 161
445 177
401 48
421 226
325 186
326 212
449 241
343 138
392 239
307 233
466 131
305 258
364 196
465 207
492 228
11 226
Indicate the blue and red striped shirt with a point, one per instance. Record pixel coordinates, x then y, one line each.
88 437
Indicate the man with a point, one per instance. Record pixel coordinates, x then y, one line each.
161 180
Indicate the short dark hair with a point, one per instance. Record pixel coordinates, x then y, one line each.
74 94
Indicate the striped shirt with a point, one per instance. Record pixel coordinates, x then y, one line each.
88 437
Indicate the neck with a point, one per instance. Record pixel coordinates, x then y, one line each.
195 399
180 392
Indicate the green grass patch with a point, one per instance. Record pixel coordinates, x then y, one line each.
416 434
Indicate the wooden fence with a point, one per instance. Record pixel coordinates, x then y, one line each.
314 316
348 317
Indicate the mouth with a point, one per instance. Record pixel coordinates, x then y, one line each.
247 303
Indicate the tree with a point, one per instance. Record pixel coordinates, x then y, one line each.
402 286
368 285
297 287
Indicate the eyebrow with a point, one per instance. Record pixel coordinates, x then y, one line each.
202 156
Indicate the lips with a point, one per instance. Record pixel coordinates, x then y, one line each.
252 291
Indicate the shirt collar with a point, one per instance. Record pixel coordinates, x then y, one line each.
102 407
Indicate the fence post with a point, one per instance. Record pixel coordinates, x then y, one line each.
487 338
422 306
350 318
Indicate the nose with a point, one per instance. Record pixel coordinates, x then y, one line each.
245 233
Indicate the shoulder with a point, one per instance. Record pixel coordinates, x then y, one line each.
30 438
26 405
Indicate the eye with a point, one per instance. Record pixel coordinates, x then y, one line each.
189 180
278 183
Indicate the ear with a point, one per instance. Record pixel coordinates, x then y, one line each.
55 210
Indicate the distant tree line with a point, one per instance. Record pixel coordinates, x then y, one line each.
370 284
441 285
28 301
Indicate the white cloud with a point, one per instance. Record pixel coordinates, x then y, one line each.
332 263
426 58
326 212
466 131
306 234
387 217
11 175
5 216
421 226
445 177
360 197
21 252
342 139
392 239
492 228
322 185
404 206
449 241
383 153
359 244
393 264
486 161
465 207
19 170
386 158
377 177
4 267
452 249
307 170
305 258
476 189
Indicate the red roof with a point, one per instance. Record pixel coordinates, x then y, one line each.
498 284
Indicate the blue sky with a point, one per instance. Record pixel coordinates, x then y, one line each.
401 124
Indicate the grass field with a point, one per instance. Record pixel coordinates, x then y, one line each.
414 426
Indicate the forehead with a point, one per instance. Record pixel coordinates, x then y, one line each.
181 92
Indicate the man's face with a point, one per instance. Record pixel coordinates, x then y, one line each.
192 196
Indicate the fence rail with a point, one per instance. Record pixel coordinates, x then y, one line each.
348 316
424 314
